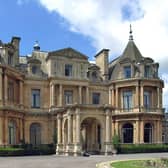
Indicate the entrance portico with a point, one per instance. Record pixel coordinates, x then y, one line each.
84 129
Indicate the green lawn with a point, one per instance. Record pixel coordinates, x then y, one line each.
128 164
157 163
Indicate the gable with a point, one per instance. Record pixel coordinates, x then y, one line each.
68 53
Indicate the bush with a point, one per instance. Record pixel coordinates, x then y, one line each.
116 141
142 148
28 149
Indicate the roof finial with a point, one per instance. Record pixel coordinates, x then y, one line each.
36 46
130 36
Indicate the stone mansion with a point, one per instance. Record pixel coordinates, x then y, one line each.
60 97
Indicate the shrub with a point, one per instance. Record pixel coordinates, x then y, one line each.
28 149
116 141
142 148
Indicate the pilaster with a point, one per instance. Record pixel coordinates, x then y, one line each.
60 95
108 143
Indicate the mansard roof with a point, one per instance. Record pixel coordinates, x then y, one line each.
67 52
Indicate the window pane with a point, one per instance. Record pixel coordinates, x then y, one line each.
127 72
147 99
68 97
35 98
34 69
68 70
127 100
147 71
96 98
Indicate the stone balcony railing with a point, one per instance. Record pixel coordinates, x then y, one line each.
139 110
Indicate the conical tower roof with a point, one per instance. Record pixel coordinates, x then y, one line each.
131 51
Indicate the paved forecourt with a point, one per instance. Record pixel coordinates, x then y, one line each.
54 161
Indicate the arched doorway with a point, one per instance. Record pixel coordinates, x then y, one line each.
127 133
12 132
35 134
148 133
91 135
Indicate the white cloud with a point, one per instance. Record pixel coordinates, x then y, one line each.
107 23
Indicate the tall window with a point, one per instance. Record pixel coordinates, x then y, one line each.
147 71
127 71
68 70
148 133
35 98
11 91
10 59
96 98
35 134
147 100
12 133
68 97
127 100
127 133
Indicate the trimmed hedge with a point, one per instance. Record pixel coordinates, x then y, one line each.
142 148
27 150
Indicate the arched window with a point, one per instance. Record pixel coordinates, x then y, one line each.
35 134
127 133
12 133
148 133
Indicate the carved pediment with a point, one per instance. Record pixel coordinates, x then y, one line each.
125 60
69 53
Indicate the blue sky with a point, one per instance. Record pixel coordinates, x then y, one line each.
88 26
32 22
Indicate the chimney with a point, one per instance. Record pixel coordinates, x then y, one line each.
102 61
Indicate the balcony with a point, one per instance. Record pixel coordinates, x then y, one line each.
139 110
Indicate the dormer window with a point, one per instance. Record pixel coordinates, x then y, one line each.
147 71
34 69
10 59
68 70
127 71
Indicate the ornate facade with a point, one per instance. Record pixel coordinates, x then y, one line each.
60 97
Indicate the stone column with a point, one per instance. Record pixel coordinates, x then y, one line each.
87 95
1 87
136 132
110 97
142 96
59 140
80 94
141 132
6 88
21 129
116 98
158 97
108 143
52 95
21 92
60 95
69 128
137 96
69 145
1 131
77 149
5 130
159 132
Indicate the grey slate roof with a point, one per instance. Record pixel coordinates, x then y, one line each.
132 52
